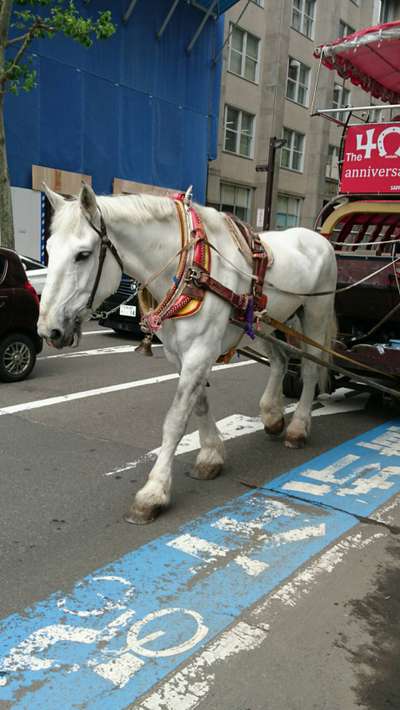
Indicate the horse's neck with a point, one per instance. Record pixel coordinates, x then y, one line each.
146 249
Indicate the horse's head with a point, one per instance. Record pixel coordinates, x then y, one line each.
77 232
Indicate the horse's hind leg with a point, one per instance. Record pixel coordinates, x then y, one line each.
271 403
211 455
318 323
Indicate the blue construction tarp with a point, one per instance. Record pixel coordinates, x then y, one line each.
133 107
221 6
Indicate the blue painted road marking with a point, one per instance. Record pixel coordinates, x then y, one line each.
356 476
128 625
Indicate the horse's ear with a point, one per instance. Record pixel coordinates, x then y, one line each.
87 198
54 198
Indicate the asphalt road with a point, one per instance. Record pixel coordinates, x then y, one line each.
71 464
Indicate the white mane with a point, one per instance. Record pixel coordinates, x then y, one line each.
144 208
139 209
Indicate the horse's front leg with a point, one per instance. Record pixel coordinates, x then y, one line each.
211 455
156 493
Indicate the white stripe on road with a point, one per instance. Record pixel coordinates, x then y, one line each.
113 350
298 534
197 547
240 425
98 332
50 401
209 552
311 488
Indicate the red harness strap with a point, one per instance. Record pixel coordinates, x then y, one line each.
203 280
245 305
198 279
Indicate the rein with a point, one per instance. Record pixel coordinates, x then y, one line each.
105 243
338 290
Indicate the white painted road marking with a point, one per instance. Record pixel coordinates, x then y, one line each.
136 621
110 350
241 425
388 444
209 552
98 332
62 399
191 685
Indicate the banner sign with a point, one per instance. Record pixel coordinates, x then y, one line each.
371 159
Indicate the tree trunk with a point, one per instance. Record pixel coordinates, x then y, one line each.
6 212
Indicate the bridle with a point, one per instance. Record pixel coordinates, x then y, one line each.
105 243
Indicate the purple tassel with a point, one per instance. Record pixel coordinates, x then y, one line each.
249 317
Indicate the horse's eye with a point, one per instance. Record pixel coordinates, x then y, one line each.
82 255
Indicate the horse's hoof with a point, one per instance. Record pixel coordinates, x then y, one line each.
205 472
141 517
275 429
295 442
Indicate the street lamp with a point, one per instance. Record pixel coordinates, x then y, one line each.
269 167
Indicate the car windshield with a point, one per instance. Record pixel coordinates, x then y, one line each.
30 263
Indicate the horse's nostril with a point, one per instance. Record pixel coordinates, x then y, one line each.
55 334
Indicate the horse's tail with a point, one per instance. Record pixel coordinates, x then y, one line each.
328 342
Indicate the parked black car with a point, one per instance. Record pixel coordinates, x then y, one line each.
125 317
19 312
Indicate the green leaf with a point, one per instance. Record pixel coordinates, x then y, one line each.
44 19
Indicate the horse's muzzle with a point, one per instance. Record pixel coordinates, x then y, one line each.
58 338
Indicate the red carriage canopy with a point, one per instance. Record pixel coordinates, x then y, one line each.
370 58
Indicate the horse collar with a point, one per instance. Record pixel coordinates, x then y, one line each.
193 278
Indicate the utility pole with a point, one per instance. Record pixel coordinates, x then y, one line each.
274 145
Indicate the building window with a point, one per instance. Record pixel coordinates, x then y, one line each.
332 166
387 10
235 199
292 153
298 80
303 17
345 29
377 115
288 211
243 54
238 132
341 99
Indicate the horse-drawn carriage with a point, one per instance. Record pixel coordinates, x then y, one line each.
210 286
363 221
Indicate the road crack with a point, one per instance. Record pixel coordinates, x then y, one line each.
393 529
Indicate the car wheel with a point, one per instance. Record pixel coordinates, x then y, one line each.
17 357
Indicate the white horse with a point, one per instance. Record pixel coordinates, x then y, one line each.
145 232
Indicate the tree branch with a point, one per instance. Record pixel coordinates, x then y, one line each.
26 40
14 40
39 24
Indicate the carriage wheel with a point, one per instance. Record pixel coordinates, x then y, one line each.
292 385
